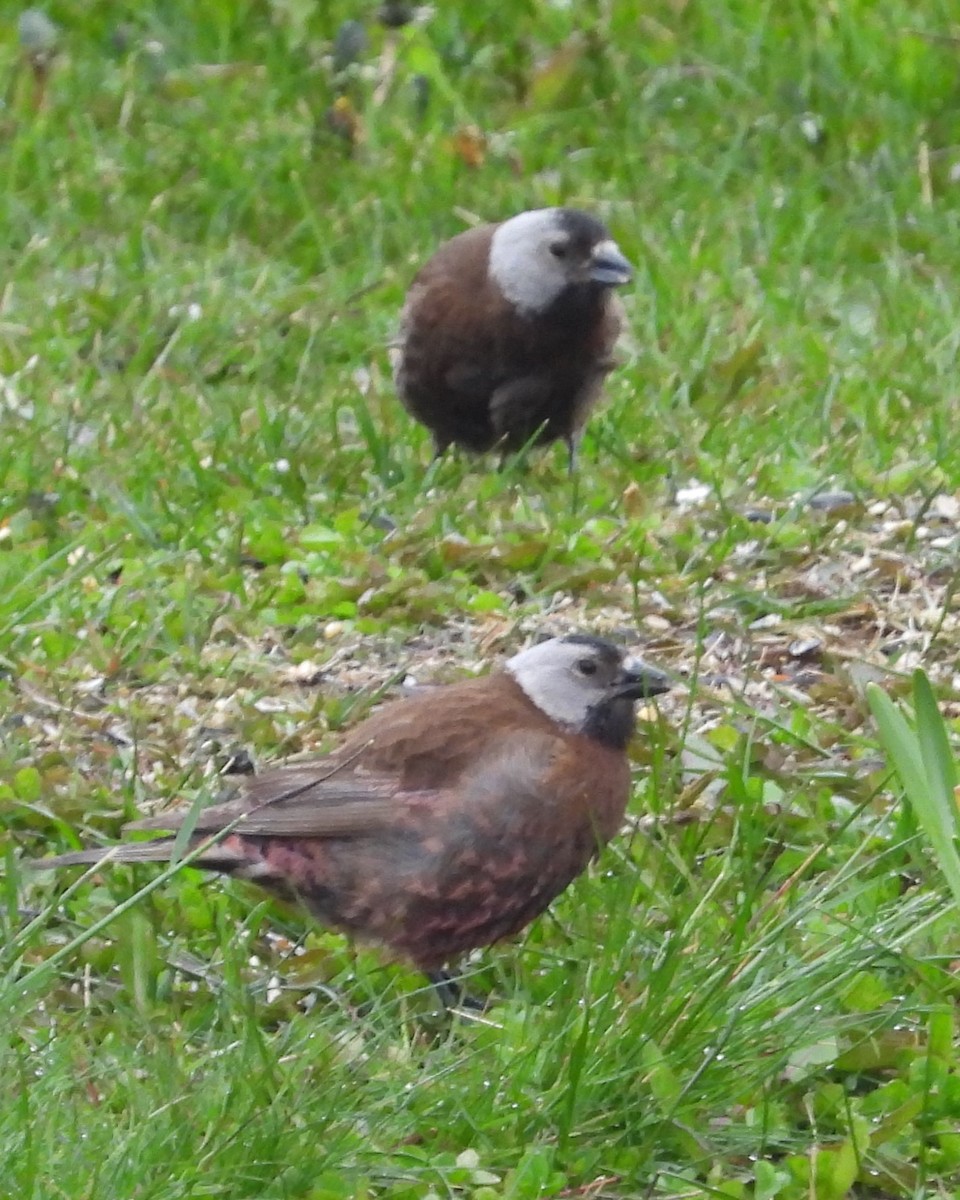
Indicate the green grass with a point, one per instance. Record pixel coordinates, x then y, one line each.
219 533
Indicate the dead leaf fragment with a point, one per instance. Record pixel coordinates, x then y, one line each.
470 145
344 120
550 78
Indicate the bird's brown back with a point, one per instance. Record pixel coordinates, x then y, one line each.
427 739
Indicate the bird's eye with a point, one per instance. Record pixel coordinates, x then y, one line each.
559 249
586 666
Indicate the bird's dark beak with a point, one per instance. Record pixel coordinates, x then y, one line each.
639 681
608 266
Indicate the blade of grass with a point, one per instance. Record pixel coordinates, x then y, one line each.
923 760
936 755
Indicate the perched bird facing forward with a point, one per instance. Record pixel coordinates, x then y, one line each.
446 820
508 331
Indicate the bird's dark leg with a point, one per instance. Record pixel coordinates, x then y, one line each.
571 440
573 475
451 992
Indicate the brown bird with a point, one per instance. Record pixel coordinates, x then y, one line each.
508 332
448 819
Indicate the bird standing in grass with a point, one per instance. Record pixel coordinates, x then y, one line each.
445 821
508 332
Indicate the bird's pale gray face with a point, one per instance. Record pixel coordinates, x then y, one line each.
535 256
572 679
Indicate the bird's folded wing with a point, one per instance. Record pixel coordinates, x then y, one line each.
519 403
512 775
306 800
326 799
471 380
311 803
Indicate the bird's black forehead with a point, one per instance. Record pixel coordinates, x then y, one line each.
583 230
600 646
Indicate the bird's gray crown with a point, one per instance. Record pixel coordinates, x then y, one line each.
537 255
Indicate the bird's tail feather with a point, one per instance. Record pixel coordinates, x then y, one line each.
216 859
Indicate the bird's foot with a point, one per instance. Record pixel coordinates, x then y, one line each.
452 993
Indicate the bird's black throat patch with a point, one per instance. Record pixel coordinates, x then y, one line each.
611 722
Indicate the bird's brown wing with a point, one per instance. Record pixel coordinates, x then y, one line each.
294 802
315 800
308 799
449 347
520 406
